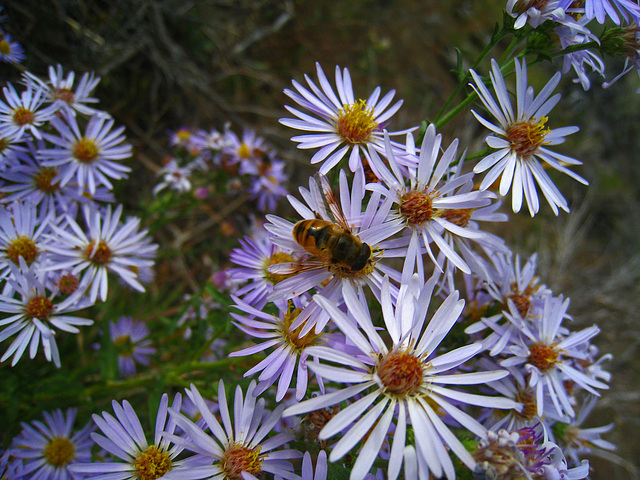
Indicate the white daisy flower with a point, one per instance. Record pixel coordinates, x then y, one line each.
92 158
344 124
105 246
399 379
519 140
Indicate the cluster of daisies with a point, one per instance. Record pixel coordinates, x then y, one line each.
209 161
400 338
60 236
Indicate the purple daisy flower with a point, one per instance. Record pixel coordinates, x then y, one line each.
129 338
50 449
400 379
10 50
92 158
344 124
240 450
23 112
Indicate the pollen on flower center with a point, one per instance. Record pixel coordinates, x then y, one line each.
59 451
44 180
39 307
542 356
67 284
356 122
101 255
277 257
292 337
457 216
64 94
23 116
5 48
152 463
527 137
23 247
243 151
417 207
400 373
238 458
85 150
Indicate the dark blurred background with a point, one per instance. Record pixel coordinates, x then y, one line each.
172 63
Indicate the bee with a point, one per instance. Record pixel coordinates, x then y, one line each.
331 243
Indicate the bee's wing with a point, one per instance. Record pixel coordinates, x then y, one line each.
332 202
293 268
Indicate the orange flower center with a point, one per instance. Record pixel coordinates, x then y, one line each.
238 459
542 356
417 207
101 255
64 94
44 180
22 116
400 373
457 216
527 137
40 308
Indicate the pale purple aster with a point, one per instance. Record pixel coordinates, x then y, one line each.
23 113
135 457
601 9
435 203
341 124
524 453
10 50
548 353
10 467
249 147
132 345
400 379
92 157
105 245
368 223
174 177
578 441
580 59
267 182
254 256
36 315
238 449
519 140
290 346
63 96
23 234
48 449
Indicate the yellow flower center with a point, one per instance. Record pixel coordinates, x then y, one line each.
39 307
152 463
356 122
44 180
5 48
67 284
238 458
85 150
59 451
277 257
292 337
542 356
401 373
101 255
527 137
23 247
22 116
4 143
417 207
243 151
